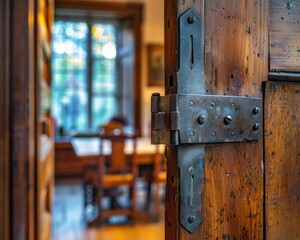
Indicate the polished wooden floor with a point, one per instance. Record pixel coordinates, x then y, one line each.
69 224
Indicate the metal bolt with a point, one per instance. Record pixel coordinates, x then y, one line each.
213 104
233 104
256 127
289 5
213 134
232 134
227 120
191 219
191 20
156 94
256 110
201 119
192 133
192 103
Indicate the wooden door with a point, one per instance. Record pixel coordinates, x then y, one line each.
250 189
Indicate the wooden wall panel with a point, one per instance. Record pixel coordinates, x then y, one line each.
282 160
284 35
4 122
236 63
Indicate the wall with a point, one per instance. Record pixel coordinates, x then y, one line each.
153 32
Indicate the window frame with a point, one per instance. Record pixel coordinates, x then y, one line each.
110 12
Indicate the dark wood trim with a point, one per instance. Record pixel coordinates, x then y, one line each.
115 9
22 142
288 76
133 11
4 121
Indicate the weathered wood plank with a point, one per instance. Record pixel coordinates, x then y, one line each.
236 63
4 121
282 160
284 35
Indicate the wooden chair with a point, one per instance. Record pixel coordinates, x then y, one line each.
115 172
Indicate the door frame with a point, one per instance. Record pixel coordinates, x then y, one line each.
4 121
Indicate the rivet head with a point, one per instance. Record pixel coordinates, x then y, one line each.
256 127
192 103
256 110
213 134
232 134
227 120
213 104
289 5
192 133
201 119
191 219
191 20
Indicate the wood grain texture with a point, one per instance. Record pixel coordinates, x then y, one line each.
235 63
22 112
284 35
4 122
282 160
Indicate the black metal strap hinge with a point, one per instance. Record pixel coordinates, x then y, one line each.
190 119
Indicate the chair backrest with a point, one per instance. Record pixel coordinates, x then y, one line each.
118 160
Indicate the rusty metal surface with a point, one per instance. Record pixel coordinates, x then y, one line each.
191 172
222 118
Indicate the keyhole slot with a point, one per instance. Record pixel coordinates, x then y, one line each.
191 51
192 200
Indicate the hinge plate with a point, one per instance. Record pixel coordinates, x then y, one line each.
198 118
213 119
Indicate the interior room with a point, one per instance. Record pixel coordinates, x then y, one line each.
149 119
102 54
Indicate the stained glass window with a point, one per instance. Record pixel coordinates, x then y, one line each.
84 87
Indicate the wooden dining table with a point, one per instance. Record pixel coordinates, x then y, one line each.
89 147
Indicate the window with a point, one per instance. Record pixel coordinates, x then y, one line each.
96 64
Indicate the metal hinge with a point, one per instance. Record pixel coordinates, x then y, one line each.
190 119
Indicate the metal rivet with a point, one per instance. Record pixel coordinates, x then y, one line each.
232 134
191 219
156 94
192 134
213 134
191 20
256 110
289 5
273 44
227 120
192 103
256 127
213 104
201 119
233 104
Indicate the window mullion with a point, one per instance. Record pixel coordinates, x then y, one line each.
89 74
